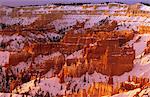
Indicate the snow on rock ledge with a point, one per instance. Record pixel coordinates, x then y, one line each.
4 57
11 95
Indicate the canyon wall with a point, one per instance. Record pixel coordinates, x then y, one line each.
104 57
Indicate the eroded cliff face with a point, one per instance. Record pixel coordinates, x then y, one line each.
144 29
103 58
95 90
103 52
74 43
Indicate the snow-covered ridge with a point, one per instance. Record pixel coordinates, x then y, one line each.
145 8
124 22
17 42
111 8
21 20
53 86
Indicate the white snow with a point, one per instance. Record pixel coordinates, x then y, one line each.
4 58
11 95
145 8
50 85
49 74
145 92
126 22
76 55
142 93
21 20
16 42
128 94
95 77
140 45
